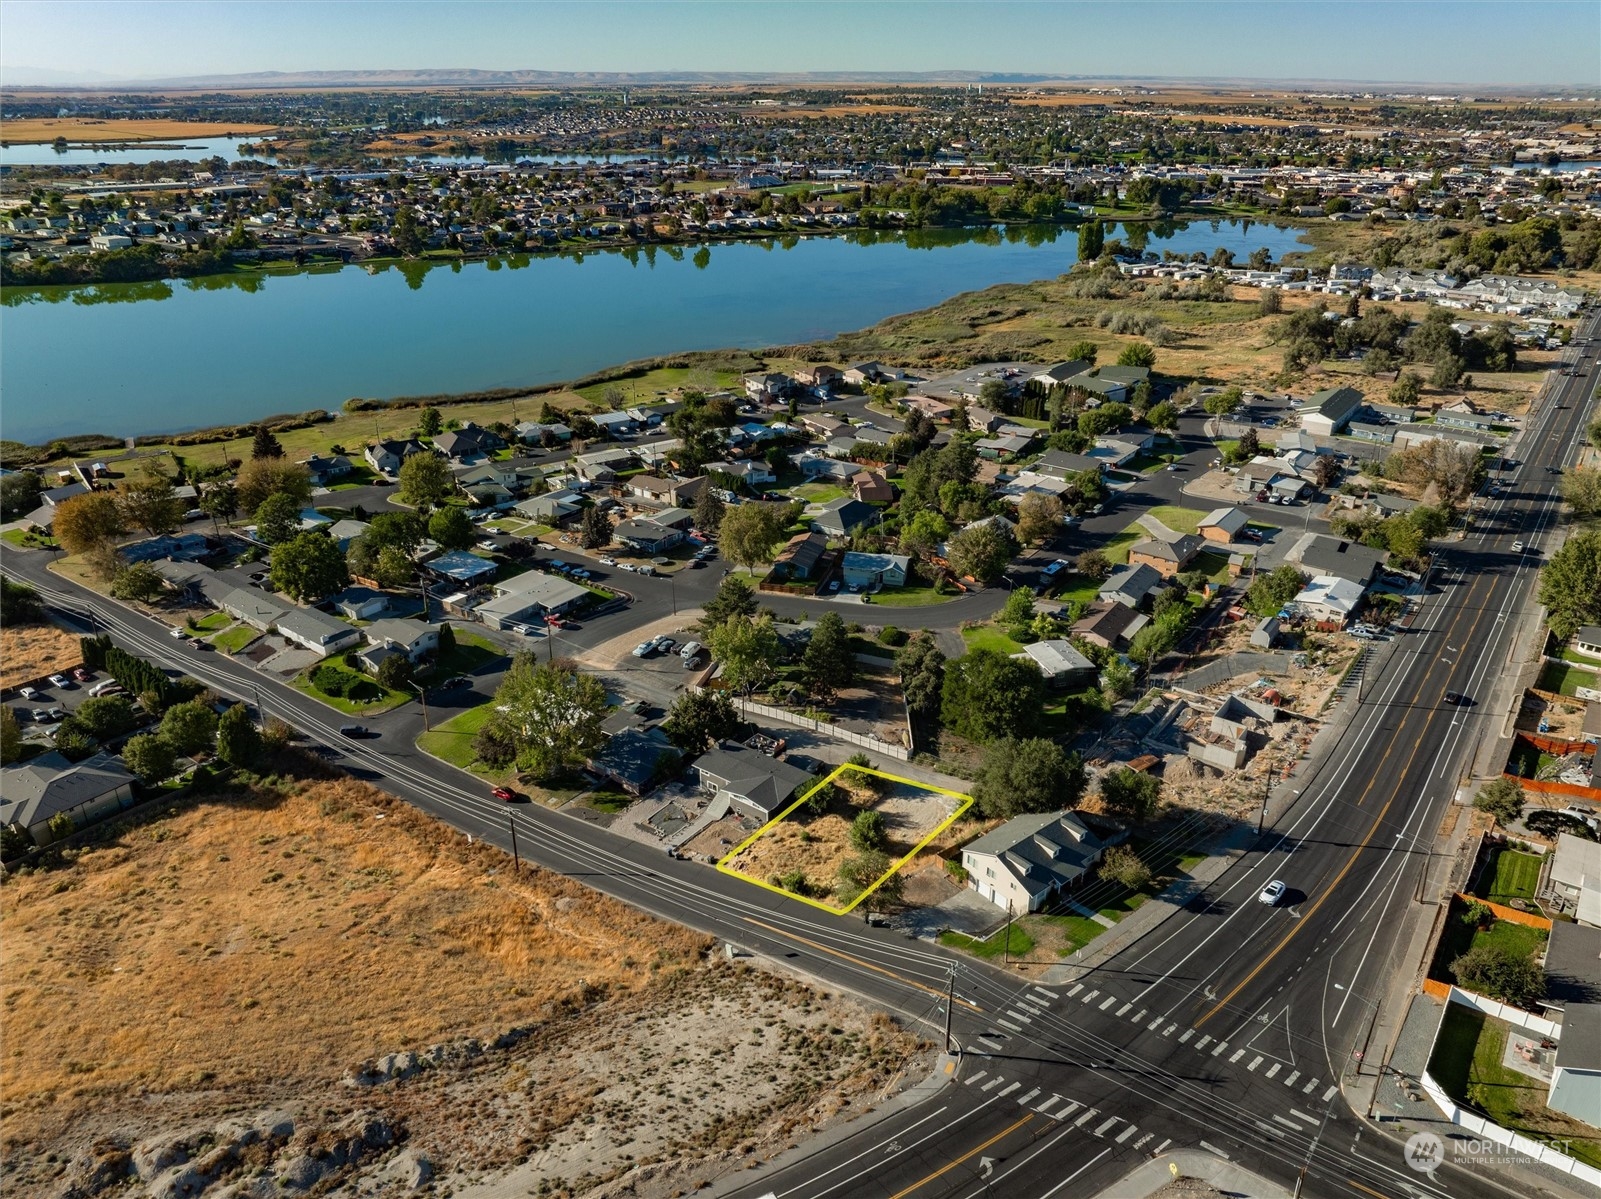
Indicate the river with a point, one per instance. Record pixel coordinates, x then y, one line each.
129 359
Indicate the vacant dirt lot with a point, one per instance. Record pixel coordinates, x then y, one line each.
328 988
88 129
29 652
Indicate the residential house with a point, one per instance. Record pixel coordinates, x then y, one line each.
1062 665
982 420
49 796
841 518
1329 599
872 488
1110 624
756 785
555 508
1104 391
1223 524
325 470
799 558
1329 411
819 466
415 639
1167 558
1113 452
1458 419
531 432
362 603
491 474
820 424
646 536
1131 585
345 531
614 424
1320 554
603 466
937 410
1031 860
651 487
257 610
44 515
634 756
1003 447
1129 376
1060 464
770 386
874 570
1060 372
1587 641
1574 877
386 456
1573 984
181 547
530 597
863 373
820 377
460 567
752 473
317 631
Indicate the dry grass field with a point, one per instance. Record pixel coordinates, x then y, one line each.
32 131
248 953
29 652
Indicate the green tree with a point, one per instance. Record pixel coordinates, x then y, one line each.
85 523
1091 241
451 528
1406 391
698 719
1162 416
858 873
1594 433
105 717
239 742
596 529
138 583
1031 774
149 503
1270 592
425 481
1093 565
1125 867
1130 794
1139 354
1039 517
1223 402
278 519
150 757
924 533
1501 972
829 660
395 672
1117 680
748 649
735 597
10 737
981 552
221 502
922 670
750 534
309 568
552 714
262 477
19 604
19 493
1018 611
987 695
265 445
1581 488
1502 798
1570 584
430 423
1270 302
709 509
867 833
1083 351
190 728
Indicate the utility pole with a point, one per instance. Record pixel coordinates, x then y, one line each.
516 861
950 1001
1267 791
1006 945
422 694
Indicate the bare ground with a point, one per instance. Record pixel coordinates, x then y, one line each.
326 991
29 652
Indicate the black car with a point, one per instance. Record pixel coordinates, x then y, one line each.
1456 698
353 731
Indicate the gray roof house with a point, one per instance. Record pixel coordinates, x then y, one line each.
756 785
1030 860
1130 585
843 516
632 757
256 610
1061 664
317 631
50 786
529 596
1327 412
1320 554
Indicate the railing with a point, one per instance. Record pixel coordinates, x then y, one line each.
1479 1126
785 716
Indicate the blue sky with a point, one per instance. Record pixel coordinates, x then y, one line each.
1491 41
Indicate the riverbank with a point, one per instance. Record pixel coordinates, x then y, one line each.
39 131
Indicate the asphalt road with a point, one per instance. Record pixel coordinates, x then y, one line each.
1228 1027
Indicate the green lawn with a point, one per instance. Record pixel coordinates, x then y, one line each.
1569 654
1515 876
1077 588
28 539
235 639
1180 520
1215 565
912 597
1014 939
1458 937
212 623
382 700
1078 931
988 636
1116 549
453 741
472 653
642 389
1566 680
1467 1064
817 493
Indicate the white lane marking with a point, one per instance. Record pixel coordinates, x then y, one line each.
1273 1128
1311 1086
1024 1098
1089 1114
1255 1062
992 1083
1219 1048
1213 1149
1044 992
972 1078
1124 1008
1278 1119
1077 987
1139 1015
1053 1099
1110 1000
1274 1069
1203 1043
1010 1089
1125 1134
1140 1144
1154 1025
1088 995
1188 1033
1012 1027
1290 1081
1076 1173
1329 1094
1303 1117
1101 1131
1020 1016
1236 1056
1157 1151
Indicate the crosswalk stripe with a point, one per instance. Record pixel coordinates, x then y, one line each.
1089 1114
1044 992
1290 1081
1140 1144
1110 1000
1265 1127
1303 1117
1009 1090
1019 1016
1188 1033
1139 1015
1157 1151
1278 1119
1236 1056
1154 1025
1203 1042
1077 987
1170 1030
1220 1047
1274 1069
1013 1027
972 1078
1087 996
1329 1094
1072 1106
1125 1134
1101 1131
1255 1062
1124 1008
1027 1095
992 1083
1310 1087
1053 1099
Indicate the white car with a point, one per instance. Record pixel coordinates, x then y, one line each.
1517 547
58 680
607 561
645 648
28 693
1272 893
179 633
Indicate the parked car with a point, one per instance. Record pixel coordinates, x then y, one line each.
28 693
833 586
82 675
666 645
607 561
180 633
59 680
504 793
1272 893
645 648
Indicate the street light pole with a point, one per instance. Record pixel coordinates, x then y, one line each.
950 1001
1267 791
516 860
422 694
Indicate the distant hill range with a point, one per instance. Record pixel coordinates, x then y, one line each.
20 77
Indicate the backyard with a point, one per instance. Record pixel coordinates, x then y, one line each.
1508 875
1566 679
1459 936
346 690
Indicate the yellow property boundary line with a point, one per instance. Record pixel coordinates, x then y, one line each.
963 803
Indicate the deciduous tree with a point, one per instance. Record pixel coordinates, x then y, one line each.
553 714
1581 488
1131 794
1502 798
829 660
982 552
425 481
451 528
748 649
189 727
1039 517
83 523
138 583
239 741
262 477
1501 972
149 756
10 737
1570 584
310 567
987 695
750 534
701 718
148 503
1031 774
278 519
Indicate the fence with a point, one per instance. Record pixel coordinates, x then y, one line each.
1481 1127
865 740
1552 787
1512 915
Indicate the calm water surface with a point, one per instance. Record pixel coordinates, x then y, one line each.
128 359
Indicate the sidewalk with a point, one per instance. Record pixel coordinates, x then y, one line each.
1221 1176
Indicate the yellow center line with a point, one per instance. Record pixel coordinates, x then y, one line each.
866 965
1367 1190
951 1165
1344 870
